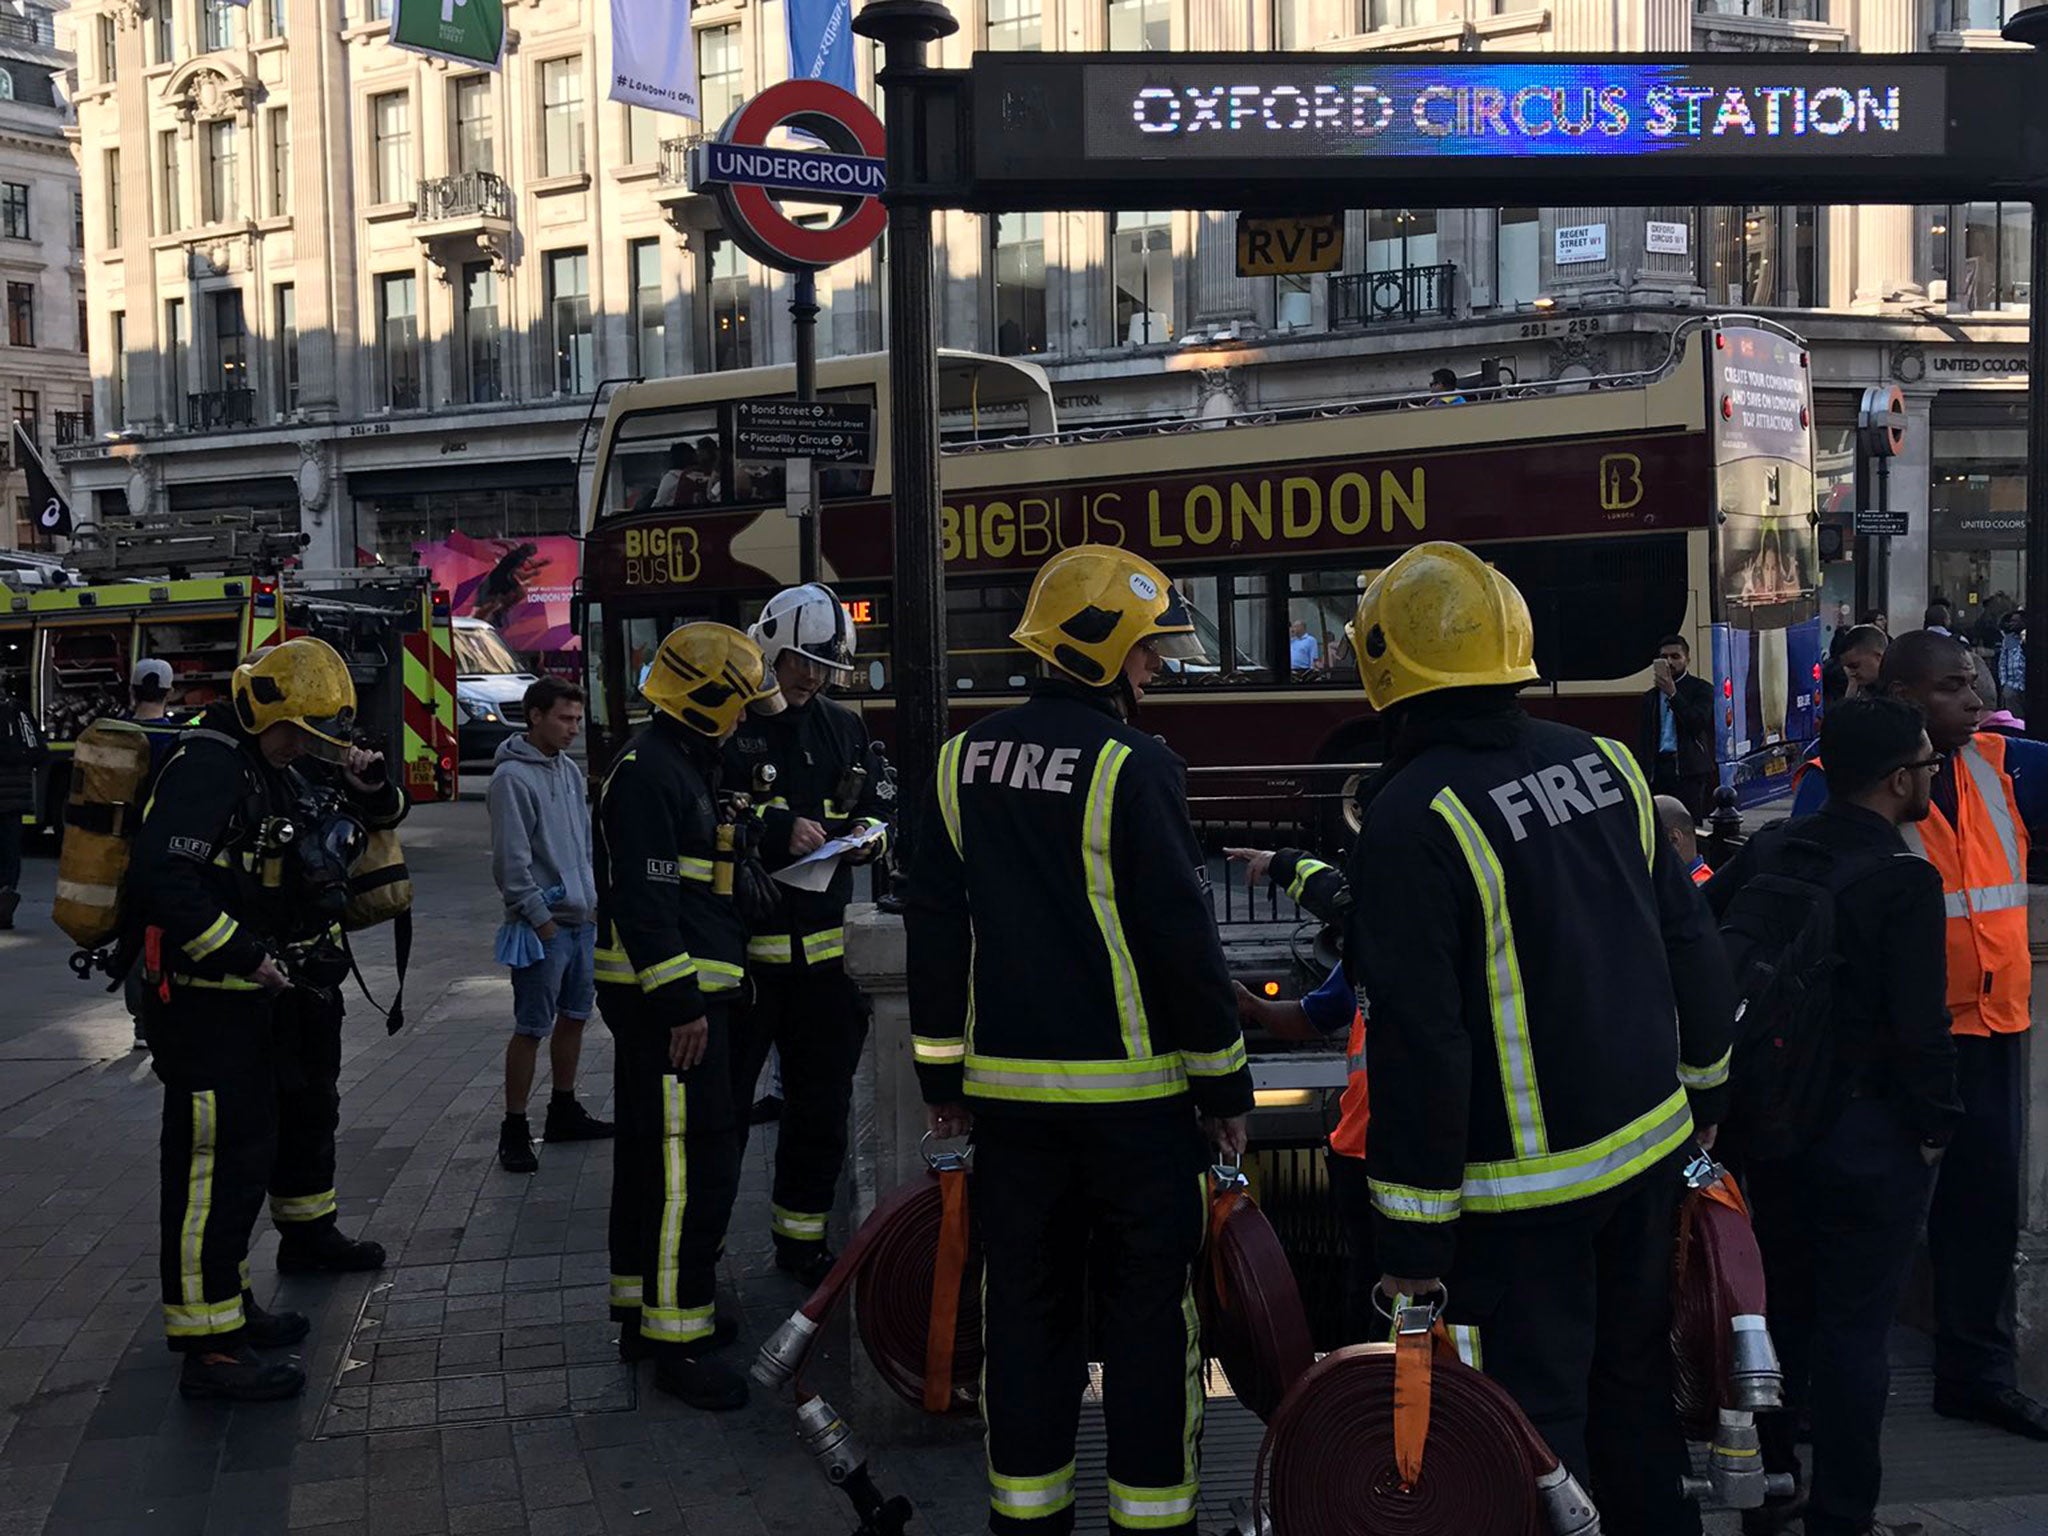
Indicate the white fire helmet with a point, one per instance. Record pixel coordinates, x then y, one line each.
811 621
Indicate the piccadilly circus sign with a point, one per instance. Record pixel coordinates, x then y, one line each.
748 176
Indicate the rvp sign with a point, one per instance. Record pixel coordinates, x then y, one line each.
1270 247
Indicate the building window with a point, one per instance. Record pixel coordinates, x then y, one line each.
398 342
1401 13
28 414
391 132
1139 26
719 73
170 182
280 161
732 340
113 165
117 379
1518 252
1931 226
84 327
275 17
176 342
21 314
77 219
643 136
378 10
1992 271
14 209
6 85
1763 256
166 32
482 335
1400 237
110 50
1018 262
561 117
1141 258
1977 507
1294 305
650 310
1975 15
223 173
230 342
1016 26
1778 10
475 145
569 317
287 312
216 25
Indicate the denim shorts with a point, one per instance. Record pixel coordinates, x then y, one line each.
561 983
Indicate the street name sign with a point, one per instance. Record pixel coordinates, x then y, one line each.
830 431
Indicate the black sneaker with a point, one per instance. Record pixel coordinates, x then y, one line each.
704 1383
808 1262
570 1121
635 1346
10 898
515 1147
1774 1515
271 1330
319 1248
234 1374
2005 1408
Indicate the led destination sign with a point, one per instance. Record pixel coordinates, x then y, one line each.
1737 107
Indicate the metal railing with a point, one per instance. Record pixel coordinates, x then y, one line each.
465 195
1268 806
74 427
215 408
37 27
1405 293
674 167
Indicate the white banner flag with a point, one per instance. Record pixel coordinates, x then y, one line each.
654 57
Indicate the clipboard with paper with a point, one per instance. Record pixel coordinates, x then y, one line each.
814 871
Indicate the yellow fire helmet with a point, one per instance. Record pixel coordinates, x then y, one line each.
1090 604
1440 617
303 682
707 676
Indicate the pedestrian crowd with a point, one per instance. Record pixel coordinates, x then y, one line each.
1551 1006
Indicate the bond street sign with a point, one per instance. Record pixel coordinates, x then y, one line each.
746 175
1211 130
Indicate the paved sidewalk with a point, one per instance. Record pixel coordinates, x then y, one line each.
472 1386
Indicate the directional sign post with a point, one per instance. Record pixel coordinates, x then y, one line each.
746 174
831 431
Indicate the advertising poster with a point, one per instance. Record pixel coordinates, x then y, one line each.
519 586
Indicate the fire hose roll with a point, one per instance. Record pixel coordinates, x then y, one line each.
1329 1465
1253 1322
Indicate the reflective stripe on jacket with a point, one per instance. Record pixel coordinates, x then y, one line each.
1983 864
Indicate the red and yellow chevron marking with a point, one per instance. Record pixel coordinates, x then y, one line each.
421 729
447 741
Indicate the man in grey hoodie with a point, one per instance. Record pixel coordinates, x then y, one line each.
540 857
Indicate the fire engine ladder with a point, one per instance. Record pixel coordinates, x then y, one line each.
236 543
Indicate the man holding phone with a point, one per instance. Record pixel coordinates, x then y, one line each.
1676 743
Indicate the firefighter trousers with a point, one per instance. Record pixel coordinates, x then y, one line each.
1091 1215
1351 1194
1569 1310
1973 1226
308 1045
820 1020
212 1051
675 1169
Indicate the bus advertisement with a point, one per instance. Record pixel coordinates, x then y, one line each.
1628 507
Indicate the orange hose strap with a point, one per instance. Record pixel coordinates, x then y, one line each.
945 1315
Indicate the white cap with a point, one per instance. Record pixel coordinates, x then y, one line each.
146 669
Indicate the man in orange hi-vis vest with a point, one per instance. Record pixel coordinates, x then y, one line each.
1986 794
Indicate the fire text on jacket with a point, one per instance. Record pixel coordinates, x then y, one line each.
1020 765
1554 793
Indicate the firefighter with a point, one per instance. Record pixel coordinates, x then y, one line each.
209 862
1070 1003
308 1038
1525 937
824 780
670 958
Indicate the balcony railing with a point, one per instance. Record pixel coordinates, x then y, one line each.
37 28
467 195
216 408
74 427
1406 293
674 170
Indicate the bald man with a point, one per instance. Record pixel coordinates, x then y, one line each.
1683 833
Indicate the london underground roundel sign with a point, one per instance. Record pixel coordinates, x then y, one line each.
747 175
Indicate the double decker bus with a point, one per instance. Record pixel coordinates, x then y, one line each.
1673 500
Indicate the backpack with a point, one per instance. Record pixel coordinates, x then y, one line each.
110 778
1779 932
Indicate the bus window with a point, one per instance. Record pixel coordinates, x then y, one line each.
1250 631
980 655
1319 606
667 459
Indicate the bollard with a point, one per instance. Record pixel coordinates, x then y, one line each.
1724 824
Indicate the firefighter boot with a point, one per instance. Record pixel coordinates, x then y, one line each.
271 1330
636 1346
233 1372
10 899
689 1372
317 1247
810 1263
569 1121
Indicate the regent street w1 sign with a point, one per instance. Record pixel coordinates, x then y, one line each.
1317 130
